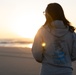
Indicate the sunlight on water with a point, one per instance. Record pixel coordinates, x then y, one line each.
27 45
17 45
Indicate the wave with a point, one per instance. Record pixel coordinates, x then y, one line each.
15 43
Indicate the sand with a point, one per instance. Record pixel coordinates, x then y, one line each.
19 61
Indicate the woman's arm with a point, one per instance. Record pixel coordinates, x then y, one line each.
37 48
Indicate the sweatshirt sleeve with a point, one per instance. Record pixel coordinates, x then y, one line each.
37 49
74 48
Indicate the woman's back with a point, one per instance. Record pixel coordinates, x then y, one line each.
51 58
53 43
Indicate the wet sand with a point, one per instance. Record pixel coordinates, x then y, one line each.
19 61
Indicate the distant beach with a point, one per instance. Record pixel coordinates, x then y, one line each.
20 61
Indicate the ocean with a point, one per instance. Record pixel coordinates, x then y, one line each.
15 43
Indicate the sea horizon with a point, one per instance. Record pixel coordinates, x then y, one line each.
15 43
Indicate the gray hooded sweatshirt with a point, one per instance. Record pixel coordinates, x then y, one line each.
43 48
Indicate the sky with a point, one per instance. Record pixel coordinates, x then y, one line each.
22 18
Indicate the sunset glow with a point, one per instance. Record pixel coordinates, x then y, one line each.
23 18
26 26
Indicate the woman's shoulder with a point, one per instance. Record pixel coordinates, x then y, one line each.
43 28
74 35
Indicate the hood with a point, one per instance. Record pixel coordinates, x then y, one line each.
60 29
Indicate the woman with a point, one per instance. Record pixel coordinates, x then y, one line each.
47 43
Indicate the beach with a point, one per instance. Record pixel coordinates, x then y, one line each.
19 61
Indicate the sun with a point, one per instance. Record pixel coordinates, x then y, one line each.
26 26
24 30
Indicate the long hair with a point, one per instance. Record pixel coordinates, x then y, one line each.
54 11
